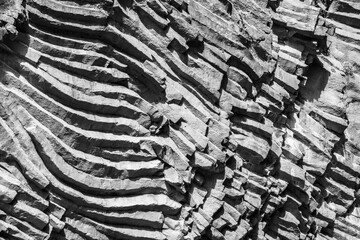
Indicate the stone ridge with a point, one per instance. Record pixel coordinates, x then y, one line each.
179 119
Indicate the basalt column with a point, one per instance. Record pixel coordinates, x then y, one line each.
179 119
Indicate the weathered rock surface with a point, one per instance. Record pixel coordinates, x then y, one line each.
179 119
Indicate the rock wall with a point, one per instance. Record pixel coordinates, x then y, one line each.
179 119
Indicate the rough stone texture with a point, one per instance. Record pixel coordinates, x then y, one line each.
179 119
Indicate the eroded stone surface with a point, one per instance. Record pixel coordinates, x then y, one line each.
181 119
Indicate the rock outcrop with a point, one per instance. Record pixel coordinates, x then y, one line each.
179 119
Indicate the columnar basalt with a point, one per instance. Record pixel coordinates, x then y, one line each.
179 119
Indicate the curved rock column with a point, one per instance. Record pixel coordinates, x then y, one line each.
179 119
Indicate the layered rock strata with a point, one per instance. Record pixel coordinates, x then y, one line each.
179 119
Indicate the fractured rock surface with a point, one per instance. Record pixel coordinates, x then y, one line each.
179 119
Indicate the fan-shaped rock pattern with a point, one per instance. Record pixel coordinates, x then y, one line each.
179 119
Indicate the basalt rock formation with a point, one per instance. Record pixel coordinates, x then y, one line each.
179 119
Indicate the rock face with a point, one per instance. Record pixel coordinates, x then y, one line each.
179 119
